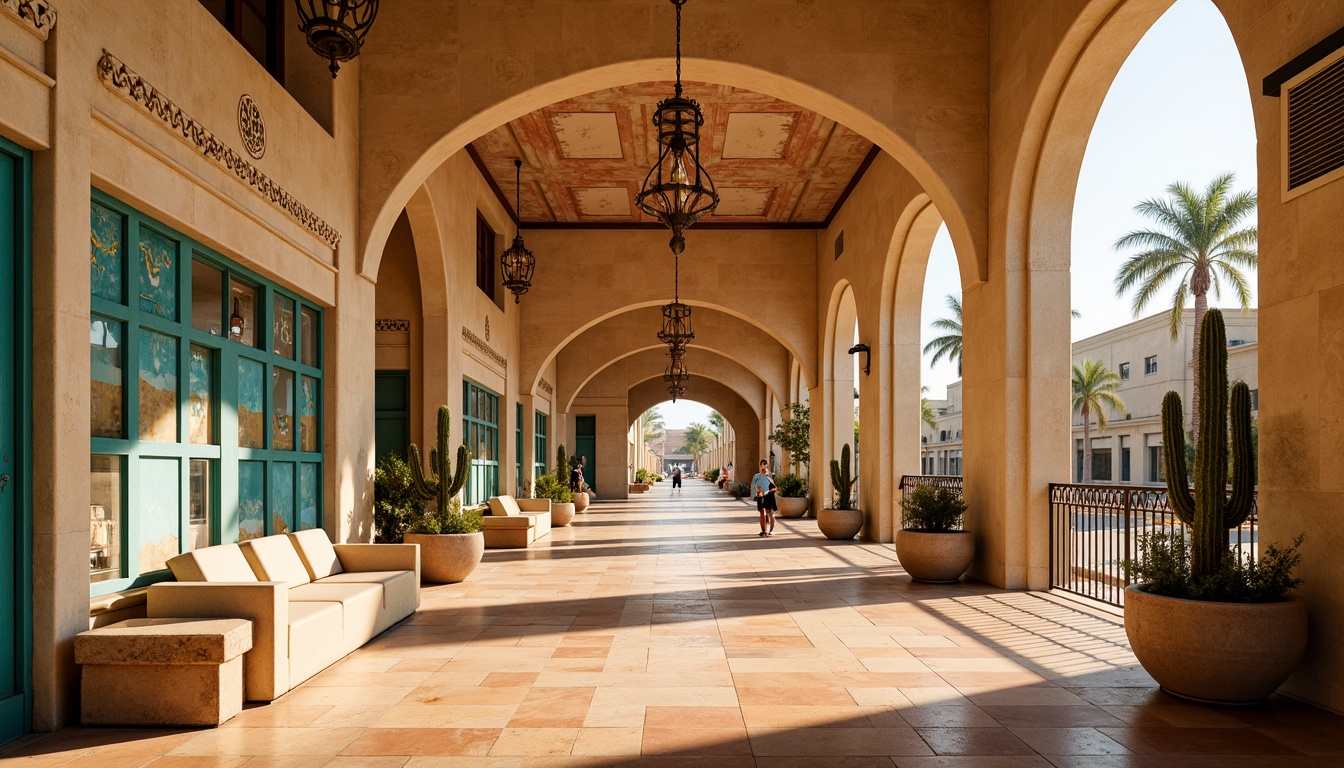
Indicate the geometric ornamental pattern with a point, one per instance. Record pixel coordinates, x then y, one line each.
118 77
251 127
479 343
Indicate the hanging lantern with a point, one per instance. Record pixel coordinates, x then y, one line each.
677 190
676 331
336 28
517 261
676 372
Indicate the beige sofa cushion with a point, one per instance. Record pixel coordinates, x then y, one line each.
400 592
315 634
361 604
513 521
274 558
224 563
504 506
316 552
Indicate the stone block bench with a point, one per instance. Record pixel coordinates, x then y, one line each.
163 671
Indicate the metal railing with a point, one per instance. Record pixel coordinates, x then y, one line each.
1094 529
911 482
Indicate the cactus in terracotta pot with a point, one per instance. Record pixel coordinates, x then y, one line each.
842 480
442 485
1210 511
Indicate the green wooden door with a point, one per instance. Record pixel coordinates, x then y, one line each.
15 597
585 445
392 412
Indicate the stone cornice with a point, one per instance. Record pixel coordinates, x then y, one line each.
392 326
479 343
546 387
37 15
117 76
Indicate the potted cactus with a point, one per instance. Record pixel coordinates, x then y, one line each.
1209 624
564 501
793 501
841 521
931 544
450 538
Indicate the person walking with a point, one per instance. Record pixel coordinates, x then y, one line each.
763 488
676 478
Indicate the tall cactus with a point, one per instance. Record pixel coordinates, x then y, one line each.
842 480
562 465
1210 511
442 485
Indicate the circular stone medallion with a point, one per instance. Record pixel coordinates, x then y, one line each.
251 127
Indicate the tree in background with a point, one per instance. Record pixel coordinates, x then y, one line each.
1200 242
1093 391
949 344
794 434
927 413
716 421
698 440
651 422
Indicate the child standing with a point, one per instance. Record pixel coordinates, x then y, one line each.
763 488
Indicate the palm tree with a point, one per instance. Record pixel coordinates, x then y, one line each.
948 345
1199 241
1093 390
927 413
697 440
651 421
716 421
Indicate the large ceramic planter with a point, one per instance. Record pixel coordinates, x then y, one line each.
940 558
448 557
792 507
562 514
1225 653
580 504
839 524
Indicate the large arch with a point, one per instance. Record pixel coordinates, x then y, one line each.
617 378
836 427
416 129
736 411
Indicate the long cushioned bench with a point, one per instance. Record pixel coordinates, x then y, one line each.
516 523
310 603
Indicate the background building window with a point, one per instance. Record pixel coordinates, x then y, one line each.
1150 365
485 257
1255 399
1124 371
1124 461
1101 465
259 26
218 439
480 433
1156 472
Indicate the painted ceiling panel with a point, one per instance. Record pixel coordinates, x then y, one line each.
585 158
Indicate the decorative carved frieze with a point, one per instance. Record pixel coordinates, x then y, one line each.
38 15
547 388
392 326
479 343
123 80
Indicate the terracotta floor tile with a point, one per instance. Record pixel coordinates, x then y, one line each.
509 679
534 741
1197 741
423 741
974 741
1051 717
269 741
825 742
699 741
784 696
609 742
693 717
1069 741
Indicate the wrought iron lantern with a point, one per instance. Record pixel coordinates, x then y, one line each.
676 371
678 191
336 28
517 261
676 390
676 332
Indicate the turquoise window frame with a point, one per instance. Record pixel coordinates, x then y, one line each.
224 454
539 460
480 428
518 446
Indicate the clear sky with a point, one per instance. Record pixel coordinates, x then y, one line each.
1179 110
680 414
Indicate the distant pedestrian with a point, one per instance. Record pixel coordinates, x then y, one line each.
676 478
763 488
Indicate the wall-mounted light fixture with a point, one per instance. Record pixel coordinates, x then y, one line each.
867 355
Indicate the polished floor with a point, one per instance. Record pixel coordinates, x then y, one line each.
663 631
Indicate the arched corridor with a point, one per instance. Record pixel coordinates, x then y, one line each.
662 629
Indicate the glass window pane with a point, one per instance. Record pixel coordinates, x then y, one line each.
309 517
158 387
251 404
106 402
309 339
282 410
251 500
105 518
202 504
282 497
158 274
308 399
207 298
158 515
200 404
107 235
253 33
243 313
283 336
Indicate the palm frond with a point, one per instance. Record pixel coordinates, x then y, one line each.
1178 307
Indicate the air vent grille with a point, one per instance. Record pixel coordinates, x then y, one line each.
1315 126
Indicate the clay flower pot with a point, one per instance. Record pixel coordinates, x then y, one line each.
448 558
791 507
562 514
1224 653
939 558
580 504
839 524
